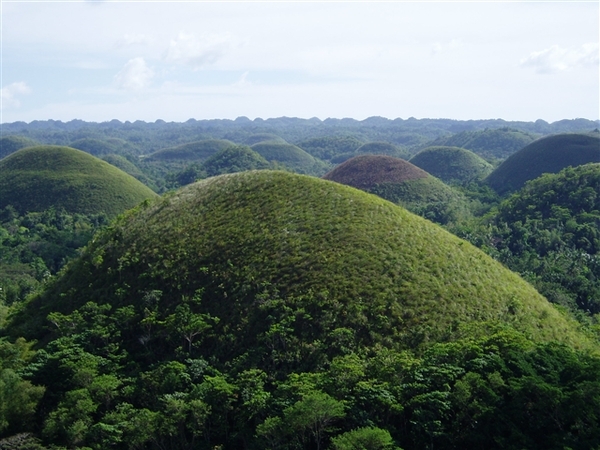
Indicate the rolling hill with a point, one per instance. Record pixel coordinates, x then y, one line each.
452 164
43 177
401 182
290 156
238 158
547 155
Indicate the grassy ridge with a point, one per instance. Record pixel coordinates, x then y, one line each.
289 156
271 250
547 155
38 178
452 164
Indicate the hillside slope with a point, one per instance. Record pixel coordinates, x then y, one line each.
547 155
452 164
43 177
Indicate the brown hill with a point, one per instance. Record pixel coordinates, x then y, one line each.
367 171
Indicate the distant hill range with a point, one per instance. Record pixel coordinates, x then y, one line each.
452 164
546 155
43 177
489 143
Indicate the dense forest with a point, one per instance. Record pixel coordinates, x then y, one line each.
300 284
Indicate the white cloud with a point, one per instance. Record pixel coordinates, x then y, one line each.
558 59
133 39
196 52
135 75
439 47
10 94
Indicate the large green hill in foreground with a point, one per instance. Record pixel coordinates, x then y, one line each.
260 246
273 310
547 155
43 177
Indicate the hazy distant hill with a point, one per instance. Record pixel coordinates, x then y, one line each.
290 156
42 177
233 159
547 155
328 147
489 143
10 144
193 151
452 164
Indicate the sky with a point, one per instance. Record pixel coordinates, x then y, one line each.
132 60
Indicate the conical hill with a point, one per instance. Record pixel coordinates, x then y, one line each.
277 270
401 182
42 177
547 155
452 164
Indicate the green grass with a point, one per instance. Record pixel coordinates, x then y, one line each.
547 155
234 159
452 164
263 137
265 248
290 156
192 151
42 177
327 147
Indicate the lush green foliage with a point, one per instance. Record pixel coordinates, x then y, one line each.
452 164
39 178
550 231
10 144
489 143
37 245
290 157
547 155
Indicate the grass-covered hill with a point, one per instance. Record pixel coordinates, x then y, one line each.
261 250
401 182
10 144
238 158
42 177
452 164
489 143
547 155
328 147
290 156
267 309
96 147
263 137
192 151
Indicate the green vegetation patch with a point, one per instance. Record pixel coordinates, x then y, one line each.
452 164
39 178
327 147
289 156
547 155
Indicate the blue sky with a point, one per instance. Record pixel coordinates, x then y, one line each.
103 60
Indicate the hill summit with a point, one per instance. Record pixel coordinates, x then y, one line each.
42 177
